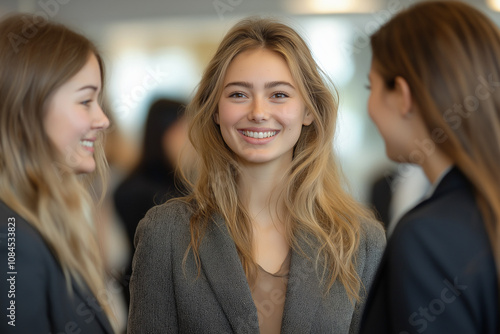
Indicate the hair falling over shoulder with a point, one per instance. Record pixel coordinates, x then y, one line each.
319 211
35 180
449 53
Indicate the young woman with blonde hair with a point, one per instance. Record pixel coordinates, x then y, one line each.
51 129
268 240
435 97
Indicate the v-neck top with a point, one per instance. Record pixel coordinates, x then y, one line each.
268 294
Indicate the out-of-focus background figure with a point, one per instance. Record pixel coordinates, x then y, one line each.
434 80
153 181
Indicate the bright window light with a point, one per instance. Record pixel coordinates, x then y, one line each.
332 6
494 4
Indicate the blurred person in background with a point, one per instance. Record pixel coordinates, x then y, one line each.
435 98
51 148
397 191
153 181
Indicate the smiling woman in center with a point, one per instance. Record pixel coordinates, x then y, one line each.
268 240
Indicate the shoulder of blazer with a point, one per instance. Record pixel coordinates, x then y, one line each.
166 218
451 203
175 212
371 248
449 223
372 235
49 276
453 187
33 239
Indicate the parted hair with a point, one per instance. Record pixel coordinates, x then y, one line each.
318 209
36 180
449 53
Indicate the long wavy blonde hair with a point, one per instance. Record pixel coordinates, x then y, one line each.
318 209
447 51
36 181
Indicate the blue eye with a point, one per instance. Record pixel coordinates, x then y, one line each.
86 102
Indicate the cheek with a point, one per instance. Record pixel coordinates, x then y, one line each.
290 116
70 131
229 114
376 111
371 107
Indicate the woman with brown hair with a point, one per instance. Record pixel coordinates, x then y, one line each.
51 131
435 98
268 240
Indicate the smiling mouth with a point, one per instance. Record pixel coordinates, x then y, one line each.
259 135
87 143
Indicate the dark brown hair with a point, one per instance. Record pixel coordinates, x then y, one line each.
449 53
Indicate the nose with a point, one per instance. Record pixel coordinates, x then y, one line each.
258 111
101 121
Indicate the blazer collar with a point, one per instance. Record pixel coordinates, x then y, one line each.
225 274
91 303
452 180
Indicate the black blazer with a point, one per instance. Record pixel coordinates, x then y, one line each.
35 285
437 274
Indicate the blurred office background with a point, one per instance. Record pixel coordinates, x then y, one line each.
159 48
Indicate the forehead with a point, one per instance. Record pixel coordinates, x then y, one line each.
89 74
258 63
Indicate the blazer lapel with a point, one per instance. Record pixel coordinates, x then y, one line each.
225 274
303 294
91 303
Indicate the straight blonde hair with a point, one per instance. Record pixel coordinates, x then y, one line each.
36 180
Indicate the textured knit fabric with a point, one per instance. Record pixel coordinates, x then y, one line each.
167 297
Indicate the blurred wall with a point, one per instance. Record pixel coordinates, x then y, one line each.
160 48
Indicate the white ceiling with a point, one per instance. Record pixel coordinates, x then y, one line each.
102 12
93 17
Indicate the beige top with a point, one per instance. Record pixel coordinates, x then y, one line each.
268 294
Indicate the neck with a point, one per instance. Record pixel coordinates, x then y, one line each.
259 189
435 165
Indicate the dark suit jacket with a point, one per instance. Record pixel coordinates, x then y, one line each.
165 300
437 274
38 287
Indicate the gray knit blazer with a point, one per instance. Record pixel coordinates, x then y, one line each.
167 299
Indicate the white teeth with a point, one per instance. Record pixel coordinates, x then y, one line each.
87 143
259 134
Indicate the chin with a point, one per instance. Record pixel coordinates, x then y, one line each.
85 167
395 156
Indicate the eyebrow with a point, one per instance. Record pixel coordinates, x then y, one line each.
273 84
94 88
267 85
240 83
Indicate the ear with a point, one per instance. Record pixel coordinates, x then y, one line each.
404 97
216 117
308 118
